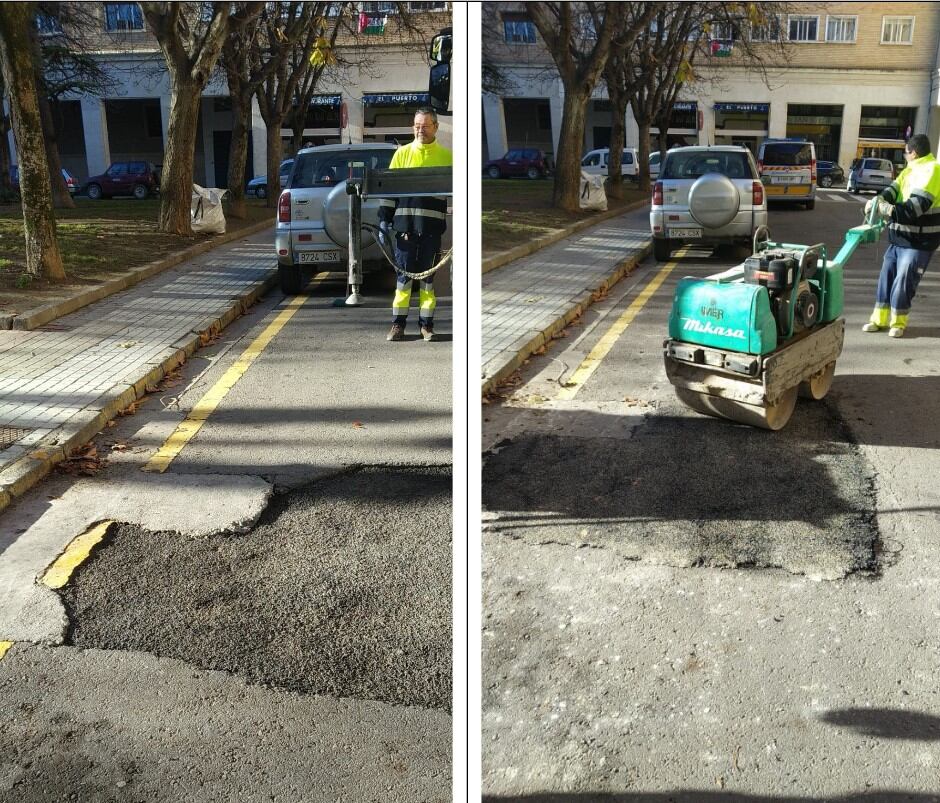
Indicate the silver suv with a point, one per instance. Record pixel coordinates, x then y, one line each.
313 213
708 195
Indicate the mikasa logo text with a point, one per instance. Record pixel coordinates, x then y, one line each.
707 329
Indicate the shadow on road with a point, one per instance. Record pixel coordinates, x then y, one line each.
701 796
887 723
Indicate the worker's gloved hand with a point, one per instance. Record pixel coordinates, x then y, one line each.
882 207
385 232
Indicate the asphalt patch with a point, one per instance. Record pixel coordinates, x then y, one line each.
690 490
342 589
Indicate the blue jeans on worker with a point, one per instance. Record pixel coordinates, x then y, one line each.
901 271
415 253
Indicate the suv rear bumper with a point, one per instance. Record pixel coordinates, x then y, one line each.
741 228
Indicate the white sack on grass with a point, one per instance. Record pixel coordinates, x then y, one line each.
208 217
592 196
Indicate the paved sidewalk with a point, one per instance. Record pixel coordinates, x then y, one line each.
529 300
60 384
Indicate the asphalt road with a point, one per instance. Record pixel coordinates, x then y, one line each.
679 607
269 619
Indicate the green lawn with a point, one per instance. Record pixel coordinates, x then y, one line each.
518 210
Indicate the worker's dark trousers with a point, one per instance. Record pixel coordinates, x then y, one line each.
415 255
901 271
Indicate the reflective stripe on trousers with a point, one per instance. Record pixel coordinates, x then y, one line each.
415 255
901 271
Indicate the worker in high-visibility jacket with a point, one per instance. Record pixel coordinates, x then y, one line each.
911 204
414 227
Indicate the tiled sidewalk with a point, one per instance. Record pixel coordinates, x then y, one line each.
61 383
527 301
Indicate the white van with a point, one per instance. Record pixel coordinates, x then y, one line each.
595 162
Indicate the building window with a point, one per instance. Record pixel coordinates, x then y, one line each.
47 25
804 29
378 8
422 7
123 17
722 31
841 29
897 30
767 31
518 29
154 120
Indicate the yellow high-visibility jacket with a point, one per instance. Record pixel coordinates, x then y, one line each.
417 215
915 193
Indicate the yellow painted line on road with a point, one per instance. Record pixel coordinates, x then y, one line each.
4 646
186 431
593 360
58 574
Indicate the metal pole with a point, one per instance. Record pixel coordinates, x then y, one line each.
354 190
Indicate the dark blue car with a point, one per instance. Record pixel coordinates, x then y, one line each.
829 173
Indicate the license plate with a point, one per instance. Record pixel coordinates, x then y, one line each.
685 232
319 256
787 180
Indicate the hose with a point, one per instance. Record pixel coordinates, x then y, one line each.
383 247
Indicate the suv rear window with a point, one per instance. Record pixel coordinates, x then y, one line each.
328 169
694 164
789 154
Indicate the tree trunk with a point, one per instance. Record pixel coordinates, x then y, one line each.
568 161
176 188
43 257
6 184
643 154
61 198
617 138
241 115
275 151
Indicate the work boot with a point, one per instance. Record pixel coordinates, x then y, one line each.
896 331
872 327
427 333
397 332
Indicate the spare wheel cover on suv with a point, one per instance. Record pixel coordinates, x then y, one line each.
336 216
714 200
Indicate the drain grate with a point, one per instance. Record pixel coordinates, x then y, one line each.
10 435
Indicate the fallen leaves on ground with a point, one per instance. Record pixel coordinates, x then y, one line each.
85 462
130 409
208 338
358 425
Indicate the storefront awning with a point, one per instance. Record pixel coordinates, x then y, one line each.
742 107
396 99
326 100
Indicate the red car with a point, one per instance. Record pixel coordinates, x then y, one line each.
528 162
139 179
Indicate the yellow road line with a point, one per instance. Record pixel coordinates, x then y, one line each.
4 646
206 405
593 360
58 574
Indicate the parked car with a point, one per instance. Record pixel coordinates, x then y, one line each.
870 174
788 169
829 173
655 158
139 179
313 213
596 162
528 162
70 181
707 195
258 186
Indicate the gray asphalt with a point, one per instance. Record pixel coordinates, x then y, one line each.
763 634
328 595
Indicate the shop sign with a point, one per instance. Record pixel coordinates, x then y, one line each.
326 100
762 108
397 99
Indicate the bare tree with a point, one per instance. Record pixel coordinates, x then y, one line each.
247 64
579 37
43 257
191 36
296 66
6 183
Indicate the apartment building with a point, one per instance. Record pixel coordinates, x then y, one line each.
372 100
857 78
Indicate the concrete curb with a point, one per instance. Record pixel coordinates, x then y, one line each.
498 261
42 315
61 443
526 345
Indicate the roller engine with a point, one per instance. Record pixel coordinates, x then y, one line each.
777 271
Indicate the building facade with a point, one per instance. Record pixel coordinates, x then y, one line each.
857 78
372 99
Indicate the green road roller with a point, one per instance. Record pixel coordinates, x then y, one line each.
745 343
